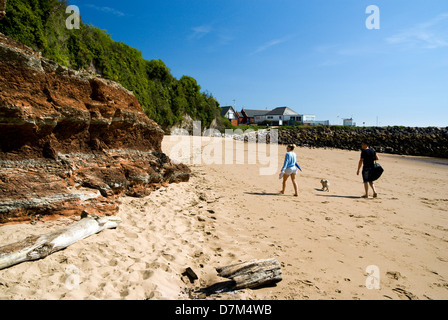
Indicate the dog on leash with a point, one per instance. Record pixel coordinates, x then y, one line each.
325 185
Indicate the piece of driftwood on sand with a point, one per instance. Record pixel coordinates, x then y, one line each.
246 275
253 274
38 247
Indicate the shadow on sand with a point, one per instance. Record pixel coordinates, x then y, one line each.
220 287
336 196
226 286
319 195
264 193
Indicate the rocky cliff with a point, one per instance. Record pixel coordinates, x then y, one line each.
71 142
430 142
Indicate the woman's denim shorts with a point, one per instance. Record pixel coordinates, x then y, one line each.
366 174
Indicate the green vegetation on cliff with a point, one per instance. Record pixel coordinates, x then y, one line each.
40 24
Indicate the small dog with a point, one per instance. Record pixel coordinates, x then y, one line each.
325 185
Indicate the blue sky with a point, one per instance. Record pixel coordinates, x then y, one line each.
316 57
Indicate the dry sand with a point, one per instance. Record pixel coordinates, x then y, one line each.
229 213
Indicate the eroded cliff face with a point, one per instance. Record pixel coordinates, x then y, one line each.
71 142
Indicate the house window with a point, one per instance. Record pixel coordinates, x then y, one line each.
270 117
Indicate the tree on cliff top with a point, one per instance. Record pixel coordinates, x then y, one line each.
40 24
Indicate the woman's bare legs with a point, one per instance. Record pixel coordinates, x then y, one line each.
372 185
285 178
294 183
366 187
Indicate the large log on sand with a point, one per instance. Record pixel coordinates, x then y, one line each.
38 247
253 274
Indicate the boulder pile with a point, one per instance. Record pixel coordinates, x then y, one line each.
430 142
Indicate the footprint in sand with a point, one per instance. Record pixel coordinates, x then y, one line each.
168 256
113 262
131 235
394 275
146 274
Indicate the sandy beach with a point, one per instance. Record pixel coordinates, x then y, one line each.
229 213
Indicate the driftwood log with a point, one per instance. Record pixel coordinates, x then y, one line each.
252 274
38 247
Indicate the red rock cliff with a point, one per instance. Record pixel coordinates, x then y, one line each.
70 141
2 9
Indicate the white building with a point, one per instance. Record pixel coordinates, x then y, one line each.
308 119
279 116
349 122
321 122
283 116
229 113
